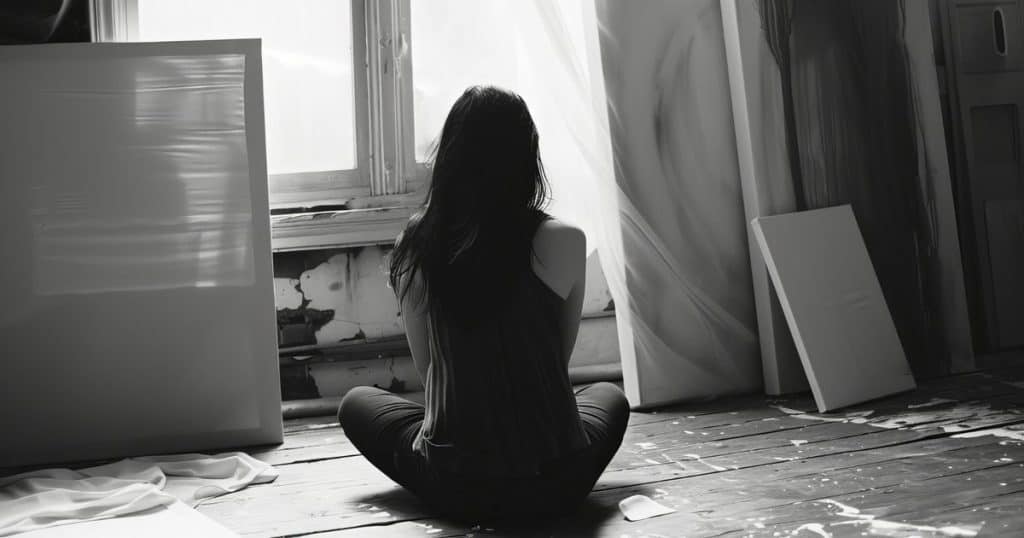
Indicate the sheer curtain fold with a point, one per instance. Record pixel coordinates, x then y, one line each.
636 136
647 167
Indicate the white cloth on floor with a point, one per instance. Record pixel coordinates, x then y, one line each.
178 520
49 497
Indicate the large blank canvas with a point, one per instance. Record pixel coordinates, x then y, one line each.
834 306
686 315
138 306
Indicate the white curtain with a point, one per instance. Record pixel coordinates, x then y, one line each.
661 204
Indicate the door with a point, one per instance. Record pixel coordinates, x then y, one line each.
985 46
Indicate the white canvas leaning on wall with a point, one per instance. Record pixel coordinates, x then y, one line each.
686 317
137 287
834 306
810 136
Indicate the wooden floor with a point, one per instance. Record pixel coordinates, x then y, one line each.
945 460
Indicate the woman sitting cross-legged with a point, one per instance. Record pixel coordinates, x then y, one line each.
491 290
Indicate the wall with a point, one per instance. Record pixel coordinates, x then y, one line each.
338 295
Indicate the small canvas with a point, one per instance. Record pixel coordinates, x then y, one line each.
834 306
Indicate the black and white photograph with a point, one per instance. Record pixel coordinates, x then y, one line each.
511 268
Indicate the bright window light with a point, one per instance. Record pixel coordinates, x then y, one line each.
462 43
307 69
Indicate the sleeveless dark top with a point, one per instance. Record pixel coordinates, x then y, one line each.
498 398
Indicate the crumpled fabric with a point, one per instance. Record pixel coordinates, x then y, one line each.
49 497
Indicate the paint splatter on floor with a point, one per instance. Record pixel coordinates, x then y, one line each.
670 460
699 460
430 529
965 419
816 528
805 416
881 527
1015 433
931 403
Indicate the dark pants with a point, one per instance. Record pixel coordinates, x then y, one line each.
383 425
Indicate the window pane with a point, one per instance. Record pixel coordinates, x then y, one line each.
461 43
307 69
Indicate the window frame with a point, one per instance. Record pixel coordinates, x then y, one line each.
386 177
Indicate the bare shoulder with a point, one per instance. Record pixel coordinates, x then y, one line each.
560 251
557 235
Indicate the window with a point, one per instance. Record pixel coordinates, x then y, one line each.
310 84
537 49
307 52
356 91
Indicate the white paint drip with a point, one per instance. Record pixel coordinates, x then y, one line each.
804 416
859 417
906 420
670 460
821 418
646 446
699 460
430 529
976 416
798 442
845 510
894 528
931 403
816 528
1010 432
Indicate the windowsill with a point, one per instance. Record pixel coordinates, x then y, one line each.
338 229
352 221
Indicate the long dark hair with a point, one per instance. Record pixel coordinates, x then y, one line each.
473 237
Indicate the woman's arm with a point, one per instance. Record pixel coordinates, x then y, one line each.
560 261
414 316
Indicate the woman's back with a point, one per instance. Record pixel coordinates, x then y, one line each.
498 397
491 291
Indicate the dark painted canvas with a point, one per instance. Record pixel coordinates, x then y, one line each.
838 104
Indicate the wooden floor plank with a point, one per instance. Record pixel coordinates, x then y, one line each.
727 502
727 466
321 439
961 501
